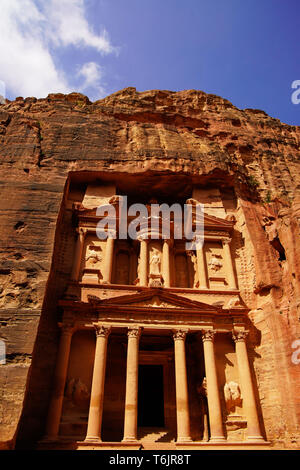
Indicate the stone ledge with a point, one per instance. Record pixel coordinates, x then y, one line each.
64 444
225 445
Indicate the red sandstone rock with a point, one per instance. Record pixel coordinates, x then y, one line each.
186 134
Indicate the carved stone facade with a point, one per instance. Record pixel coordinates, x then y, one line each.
146 304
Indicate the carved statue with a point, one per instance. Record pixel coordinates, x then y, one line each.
92 257
137 280
194 266
202 394
215 263
155 262
77 392
232 396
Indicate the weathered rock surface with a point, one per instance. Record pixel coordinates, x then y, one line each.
182 133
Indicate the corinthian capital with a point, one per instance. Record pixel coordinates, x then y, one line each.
180 334
239 335
102 330
208 335
134 332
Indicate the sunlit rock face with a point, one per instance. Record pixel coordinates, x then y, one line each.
61 157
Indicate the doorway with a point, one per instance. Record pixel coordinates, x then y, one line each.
151 396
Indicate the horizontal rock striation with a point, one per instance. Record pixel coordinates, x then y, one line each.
186 134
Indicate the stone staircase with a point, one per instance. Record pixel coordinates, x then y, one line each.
156 438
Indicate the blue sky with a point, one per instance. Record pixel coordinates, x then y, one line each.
244 50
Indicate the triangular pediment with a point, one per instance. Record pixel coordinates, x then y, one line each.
154 298
210 221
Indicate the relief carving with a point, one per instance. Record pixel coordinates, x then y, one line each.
77 392
215 263
155 262
155 277
93 258
232 394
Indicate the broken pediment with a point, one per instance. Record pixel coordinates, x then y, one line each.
212 222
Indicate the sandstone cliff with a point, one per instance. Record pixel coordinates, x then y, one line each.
184 133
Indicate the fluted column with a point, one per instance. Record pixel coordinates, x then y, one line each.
143 267
131 397
108 260
229 264
182 397
166 263
60 375
78 253
213 398
202 270
249 402
97 390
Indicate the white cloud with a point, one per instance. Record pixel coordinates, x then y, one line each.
31 31
92 76
68 26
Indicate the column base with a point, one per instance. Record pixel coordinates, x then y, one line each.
216 439
255 439
129 439
183 440
95 439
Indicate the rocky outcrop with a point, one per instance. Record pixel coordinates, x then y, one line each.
187 133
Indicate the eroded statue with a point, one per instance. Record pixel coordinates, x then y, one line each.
155 262
92 256
215 263
232 395
77 392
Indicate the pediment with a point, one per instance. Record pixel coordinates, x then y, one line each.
154 298
210 222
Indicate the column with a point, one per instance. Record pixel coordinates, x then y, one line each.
143 263
229 264
131 397
182 398
202 271
166 263
213 399
78 253
108 260
60 375
249 403
97 390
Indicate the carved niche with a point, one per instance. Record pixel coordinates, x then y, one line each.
155 275
92 261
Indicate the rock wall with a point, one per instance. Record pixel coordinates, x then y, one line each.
204 137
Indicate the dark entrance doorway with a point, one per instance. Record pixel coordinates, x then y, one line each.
151 396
